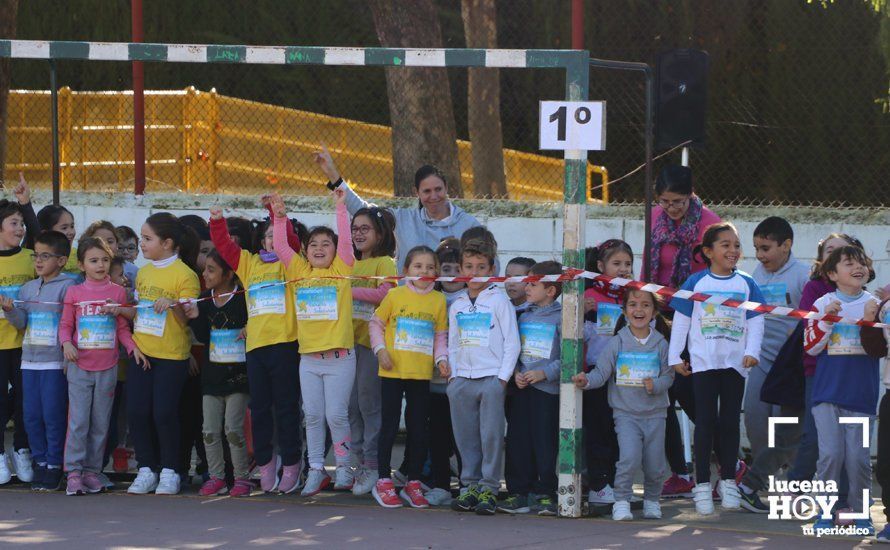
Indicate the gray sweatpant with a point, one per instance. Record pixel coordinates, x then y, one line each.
757 412
640 444
90 397
326 385
364 409
477 417
770 459
840 447
224 414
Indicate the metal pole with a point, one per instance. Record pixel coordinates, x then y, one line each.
54 98
138 104
577 24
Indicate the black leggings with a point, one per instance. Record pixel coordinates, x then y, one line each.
600 441
680 391
153 411
417 409
11 401
441 438
882 466
726 386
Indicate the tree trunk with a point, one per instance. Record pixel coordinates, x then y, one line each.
420 108
8 12
483 101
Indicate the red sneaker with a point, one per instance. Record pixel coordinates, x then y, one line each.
413 494
677 487
241 488
213 486
120 460
385 494
740 471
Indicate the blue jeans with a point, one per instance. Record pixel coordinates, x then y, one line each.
45 396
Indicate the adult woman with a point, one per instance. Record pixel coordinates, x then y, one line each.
435 218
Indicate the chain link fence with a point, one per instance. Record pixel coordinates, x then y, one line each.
796 112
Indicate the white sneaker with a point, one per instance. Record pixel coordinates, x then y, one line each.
621 511
315 482
438 497
146 481
5 472
364 481
344 478
651 509
169 483
24 469
606 495
704 502
399 479
729 491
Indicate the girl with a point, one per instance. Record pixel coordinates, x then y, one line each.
613 258
408 331
374 245
220 327
90 334
161 332
106 231
635 366
327 360
56 217
272 356
723 343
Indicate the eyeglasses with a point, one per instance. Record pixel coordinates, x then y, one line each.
362 229
128 248
45 257
678 203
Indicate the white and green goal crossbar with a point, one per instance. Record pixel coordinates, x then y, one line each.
573 62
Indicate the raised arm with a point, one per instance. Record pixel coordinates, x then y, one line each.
219 234
279 232
292 237
344 230
32 225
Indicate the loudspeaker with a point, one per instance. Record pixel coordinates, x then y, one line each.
680 98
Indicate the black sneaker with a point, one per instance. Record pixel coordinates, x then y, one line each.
546 506
752 502
514 504
39 475
488 503
467 500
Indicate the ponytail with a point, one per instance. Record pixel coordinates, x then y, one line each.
185 240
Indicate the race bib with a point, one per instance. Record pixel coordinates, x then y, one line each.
317 303
415 335
266 298
776 294
844 340
633 367
147 321
606 317
363 310
43 328
537 341
473 329
96 332
721 322
225 346
11 291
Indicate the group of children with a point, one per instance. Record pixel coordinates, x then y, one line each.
296 329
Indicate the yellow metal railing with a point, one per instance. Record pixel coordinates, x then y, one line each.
203 142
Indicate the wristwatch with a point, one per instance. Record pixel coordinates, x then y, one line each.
335 184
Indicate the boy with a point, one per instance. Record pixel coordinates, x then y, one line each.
483 352
781 278
532 436
45 390
518 267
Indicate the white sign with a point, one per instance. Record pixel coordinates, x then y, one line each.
572 125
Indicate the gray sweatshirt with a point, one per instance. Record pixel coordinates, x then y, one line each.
623 363
540 333
779 288
41 344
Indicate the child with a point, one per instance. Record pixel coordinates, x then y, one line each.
43 379
161 333
55 217
90 336
220 327
517 267
481 232
635 365
533 430
448 253
408 334
723 343
327 357
374 245
846 380
127 243
205 245
613 258
483 352
272 356
106 231
117 431
875 342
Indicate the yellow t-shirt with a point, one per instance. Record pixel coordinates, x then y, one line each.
270 310
362 311
162 335
15 271
71 265
324 306
412 321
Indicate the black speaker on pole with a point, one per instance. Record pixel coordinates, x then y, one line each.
681 78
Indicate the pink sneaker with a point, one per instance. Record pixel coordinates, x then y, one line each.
413 495
290 478
741 470
74 485
269 476
677 487
213 486
241 488
385 493
91 483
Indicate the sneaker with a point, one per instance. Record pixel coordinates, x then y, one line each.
52 480
213 487
39 477
546 506
399 479
269 475
74 486
365 481
704 502
290 478
884 535
865 527
168 484
740 470
651 509
413 495
315 482
385 494
344 478
606 495
488 503
91 483
467 500
842 522
436 497
107 483
146 481
24 469
120 460
5 473
514 504
621 511
241 488
752 503
729 492
677 487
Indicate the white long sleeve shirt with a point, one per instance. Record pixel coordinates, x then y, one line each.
483 335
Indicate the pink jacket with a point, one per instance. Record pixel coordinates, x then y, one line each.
69 325
665 263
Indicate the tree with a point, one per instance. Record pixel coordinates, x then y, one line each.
484 102
8 11
420 108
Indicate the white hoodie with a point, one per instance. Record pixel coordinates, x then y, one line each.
483 337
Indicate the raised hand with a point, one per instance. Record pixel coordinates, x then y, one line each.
324 161
21 191
216 213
